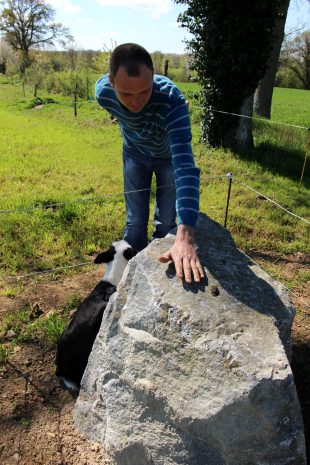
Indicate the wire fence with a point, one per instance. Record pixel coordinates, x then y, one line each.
228 176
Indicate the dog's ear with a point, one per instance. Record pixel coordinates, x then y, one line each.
107 256
130 253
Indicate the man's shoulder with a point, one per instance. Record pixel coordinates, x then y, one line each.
166 89
103 86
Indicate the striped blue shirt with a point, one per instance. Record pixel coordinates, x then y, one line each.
162 129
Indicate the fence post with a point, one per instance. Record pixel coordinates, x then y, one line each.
305 161
230 177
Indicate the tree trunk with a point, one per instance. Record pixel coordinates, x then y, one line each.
263 93
244 137
75 101
166 68
234 131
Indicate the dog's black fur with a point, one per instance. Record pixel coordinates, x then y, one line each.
76 342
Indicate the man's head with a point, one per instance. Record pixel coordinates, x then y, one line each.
131 75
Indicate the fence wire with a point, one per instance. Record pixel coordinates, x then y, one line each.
111 195
228 176
264 120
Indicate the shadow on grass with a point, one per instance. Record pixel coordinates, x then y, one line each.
281 161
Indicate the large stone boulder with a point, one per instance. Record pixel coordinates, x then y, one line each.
194 374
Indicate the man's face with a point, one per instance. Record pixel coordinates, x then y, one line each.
133 92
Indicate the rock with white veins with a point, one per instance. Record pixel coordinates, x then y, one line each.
194 374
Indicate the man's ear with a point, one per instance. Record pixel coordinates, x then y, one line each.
111 80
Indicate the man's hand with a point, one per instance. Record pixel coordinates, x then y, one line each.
184 255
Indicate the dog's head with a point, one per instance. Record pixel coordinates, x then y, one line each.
116 259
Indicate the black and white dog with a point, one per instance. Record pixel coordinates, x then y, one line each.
76 342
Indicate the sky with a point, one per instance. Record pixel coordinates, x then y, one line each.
99 24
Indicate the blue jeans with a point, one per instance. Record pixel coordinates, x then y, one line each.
138 171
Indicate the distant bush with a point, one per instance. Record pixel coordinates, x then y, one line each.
286 78
70 82
39 101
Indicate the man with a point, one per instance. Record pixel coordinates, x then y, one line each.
154 121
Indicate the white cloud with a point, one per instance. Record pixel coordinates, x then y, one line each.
65 5
154 8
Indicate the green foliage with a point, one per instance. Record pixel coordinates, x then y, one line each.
286 78
73 302
51 327
25 422
16 321
158 62
47 328
3 355
70 82
39 101
294 70
38 71
11 291
230 47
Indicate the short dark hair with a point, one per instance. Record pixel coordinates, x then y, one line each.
131 57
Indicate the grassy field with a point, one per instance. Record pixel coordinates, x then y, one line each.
49 157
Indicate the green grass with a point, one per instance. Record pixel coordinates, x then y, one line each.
48 156
3 355
291 106
47 328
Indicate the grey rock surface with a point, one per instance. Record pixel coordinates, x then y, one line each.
194 374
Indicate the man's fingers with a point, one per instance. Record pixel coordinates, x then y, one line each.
178 266
187 269
197 266
196 272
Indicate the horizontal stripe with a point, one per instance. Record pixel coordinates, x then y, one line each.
179 129
192 199
184 167
177 108
188 176
178 144
177 119
187 187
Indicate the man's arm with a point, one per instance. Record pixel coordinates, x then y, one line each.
184 255
186 175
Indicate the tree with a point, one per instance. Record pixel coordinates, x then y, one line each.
230 48
295 56
29 24
72 54
36 74
166 68
8 59
5 51
158 58
87 65
264 91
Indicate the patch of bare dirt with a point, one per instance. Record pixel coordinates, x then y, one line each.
36 426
